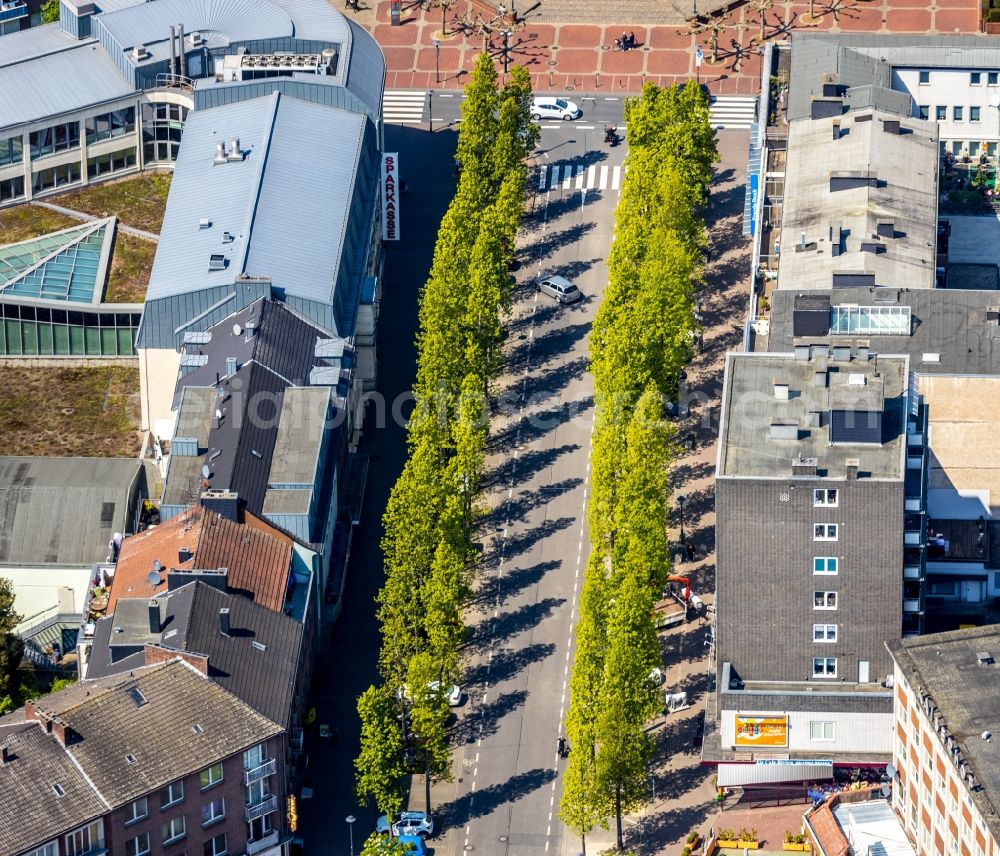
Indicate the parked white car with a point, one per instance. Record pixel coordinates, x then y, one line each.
406 823
554 108
560 288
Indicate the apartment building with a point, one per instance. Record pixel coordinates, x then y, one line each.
946 770
812 478
159 761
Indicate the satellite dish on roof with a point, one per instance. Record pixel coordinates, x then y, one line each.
995 100
886 790
205 471
890 771
237 330
153 578
157 566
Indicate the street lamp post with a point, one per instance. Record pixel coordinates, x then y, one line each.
350 829
430 109
437 60
681 500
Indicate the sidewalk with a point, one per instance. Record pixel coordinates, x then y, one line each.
568 57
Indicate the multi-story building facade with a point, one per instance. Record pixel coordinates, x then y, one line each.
159 761
946 772
812 480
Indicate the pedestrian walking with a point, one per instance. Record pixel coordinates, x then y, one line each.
689 548
624 41
631 41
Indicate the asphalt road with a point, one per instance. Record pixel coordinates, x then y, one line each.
445 109
508 778
506 790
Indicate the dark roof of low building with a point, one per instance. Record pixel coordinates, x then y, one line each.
62 511
31 810
257 555
138 732
955 325
964 687
257 662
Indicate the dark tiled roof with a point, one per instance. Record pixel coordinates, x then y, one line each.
112 722
257 662
31 812
258 556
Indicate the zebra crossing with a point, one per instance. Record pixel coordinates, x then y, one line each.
569 176
732 111
403 106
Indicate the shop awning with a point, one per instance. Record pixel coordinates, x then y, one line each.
773 773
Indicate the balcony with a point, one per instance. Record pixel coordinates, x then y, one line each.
911 605
268 768
13 11
256 846
266 806
911 572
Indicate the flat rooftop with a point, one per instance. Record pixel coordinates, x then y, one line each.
947 666
818 410
862 188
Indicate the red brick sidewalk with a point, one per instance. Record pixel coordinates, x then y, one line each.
578 57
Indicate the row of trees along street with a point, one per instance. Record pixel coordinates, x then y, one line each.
432 511
641 340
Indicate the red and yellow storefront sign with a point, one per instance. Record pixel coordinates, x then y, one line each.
761 730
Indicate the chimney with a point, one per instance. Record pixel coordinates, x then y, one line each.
154 616
183 56
6 756
852 465
183 555
224 621
173 52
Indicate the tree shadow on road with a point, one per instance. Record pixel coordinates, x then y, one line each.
491 798
514 581
500 628
556 341
540 250
524 541
485 720
507 663
520 506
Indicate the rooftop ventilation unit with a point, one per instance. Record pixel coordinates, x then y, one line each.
784 430
205 223
216 261
984 658
781 392
856 380
851 467
197 39
228 237
140 54
235 152
220 153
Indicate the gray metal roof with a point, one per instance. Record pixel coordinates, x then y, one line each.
950 323
233 20
58 82
863 59
366 69
62 511
31 812
946 665
262 677
35 42
300 159
748 445
300 437
736 775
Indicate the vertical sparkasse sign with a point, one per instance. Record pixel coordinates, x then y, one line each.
390 196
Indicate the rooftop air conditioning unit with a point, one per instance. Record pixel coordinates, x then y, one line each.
197 39
139 53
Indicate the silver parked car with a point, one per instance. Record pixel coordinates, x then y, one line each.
546 107
560 288
406 823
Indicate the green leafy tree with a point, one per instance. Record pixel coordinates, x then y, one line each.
11 646
427 683
384 845
50 11
381 766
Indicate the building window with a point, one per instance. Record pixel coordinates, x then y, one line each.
258 791
174 830
50 849
824 600
137 810
824 633
940 113
826 498
825 532
85 839
956 113
975 78
216 846
57 176
924 111
213 811
162 125
821 731
259 828
138 846
107 125
11 150
824 667
211 776
973 114
110 162
825 565
11 188
925 77
57 138
254 757
172 794
992 78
